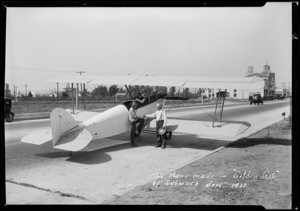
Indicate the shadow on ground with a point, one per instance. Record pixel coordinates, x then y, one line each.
250 142
100 154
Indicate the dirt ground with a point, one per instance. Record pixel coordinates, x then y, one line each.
252 171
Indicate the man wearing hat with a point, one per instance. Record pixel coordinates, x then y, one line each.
161 122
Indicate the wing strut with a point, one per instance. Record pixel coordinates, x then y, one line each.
221 95
128 91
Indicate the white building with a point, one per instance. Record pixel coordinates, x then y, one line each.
238 91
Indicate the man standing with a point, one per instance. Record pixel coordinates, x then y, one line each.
134 119
161 122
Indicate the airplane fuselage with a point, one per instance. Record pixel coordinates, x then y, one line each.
115 120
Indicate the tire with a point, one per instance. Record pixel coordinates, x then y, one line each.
137 133
9 117
168 136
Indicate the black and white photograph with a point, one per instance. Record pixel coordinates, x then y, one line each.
148 105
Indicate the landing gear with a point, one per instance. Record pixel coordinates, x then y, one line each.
137 132
168 135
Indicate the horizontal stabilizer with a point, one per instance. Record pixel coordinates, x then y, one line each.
74 141
38 137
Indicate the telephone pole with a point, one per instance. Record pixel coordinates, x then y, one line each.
57 92
81 91
25 91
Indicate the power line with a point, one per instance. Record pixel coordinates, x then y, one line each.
39 70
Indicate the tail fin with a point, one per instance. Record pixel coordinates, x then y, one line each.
61 122
66 133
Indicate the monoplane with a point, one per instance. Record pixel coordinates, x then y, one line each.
68 134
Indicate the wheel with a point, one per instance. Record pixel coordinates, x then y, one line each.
9 117
137 132
168 136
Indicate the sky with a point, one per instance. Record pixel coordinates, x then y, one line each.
46 43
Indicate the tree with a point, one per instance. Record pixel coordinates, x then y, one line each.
113 89
65 95
121 90
172 91
30 94
186 92
163 89
100 91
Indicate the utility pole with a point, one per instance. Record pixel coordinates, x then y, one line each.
57 92
25 91
83 97
82 94
76 95
72 97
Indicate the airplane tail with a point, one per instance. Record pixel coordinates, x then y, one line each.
66 133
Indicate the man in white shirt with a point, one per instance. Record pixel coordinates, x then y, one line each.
134 119
161 122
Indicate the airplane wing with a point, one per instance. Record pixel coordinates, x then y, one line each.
248 83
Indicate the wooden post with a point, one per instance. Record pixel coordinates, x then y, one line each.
76 95
57 92
72 97
83 96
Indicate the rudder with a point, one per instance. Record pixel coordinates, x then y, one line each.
61 122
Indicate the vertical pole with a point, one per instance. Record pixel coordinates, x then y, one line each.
224 96
215 112
72 97
81 91
57 92
76 95
83 96
25 91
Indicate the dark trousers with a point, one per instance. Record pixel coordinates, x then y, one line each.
161 138
133 128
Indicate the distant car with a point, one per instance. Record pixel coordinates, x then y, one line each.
8 114
256 98
279 97
268 98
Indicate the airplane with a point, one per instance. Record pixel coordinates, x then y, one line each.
68 134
